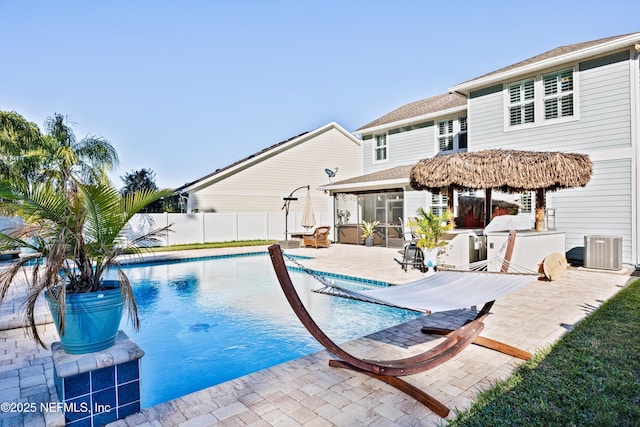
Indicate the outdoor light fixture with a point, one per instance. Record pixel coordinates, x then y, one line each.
287 201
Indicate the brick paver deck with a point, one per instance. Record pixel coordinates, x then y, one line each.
306 391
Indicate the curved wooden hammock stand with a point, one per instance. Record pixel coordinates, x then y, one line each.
388 371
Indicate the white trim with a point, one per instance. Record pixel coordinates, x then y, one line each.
625 42
388 183
634 65
411 120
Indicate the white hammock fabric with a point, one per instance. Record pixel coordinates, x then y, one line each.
442 291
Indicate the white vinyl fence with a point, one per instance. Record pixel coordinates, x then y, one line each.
220 227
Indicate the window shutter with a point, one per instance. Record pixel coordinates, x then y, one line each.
514 93
515 116
567 105
550 108
550 84
566 80
462 135
529 115
463 124
528 89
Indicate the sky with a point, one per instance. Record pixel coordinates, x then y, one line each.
186 87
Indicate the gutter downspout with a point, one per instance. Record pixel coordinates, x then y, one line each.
635 153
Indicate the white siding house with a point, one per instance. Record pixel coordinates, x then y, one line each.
392 144
258 183
580 98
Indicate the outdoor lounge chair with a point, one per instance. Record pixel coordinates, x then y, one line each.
443 291
319 238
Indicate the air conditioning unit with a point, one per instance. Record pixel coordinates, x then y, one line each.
603 252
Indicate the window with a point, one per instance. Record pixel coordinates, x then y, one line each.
452 134
521 102
439 203
525 201
462 135
541 99
558 94
380 148
445 135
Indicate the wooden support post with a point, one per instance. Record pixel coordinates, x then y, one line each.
487 206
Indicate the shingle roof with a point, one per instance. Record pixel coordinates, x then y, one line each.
451 100
397 172
420 108
553 53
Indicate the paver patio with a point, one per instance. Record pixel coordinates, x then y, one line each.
306 391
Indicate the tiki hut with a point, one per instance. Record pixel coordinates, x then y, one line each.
509 171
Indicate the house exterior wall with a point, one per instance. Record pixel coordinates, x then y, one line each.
403 146
260 186
414 200
604 123
605 129
603 207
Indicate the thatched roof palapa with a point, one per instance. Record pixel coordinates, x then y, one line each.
509 171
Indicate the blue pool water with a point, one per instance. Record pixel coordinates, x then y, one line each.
207 321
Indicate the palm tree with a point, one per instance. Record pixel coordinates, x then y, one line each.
80 234
22 148
86 160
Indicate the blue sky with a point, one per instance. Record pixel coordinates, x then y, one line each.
186 87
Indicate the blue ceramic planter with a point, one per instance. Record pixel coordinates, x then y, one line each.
91 320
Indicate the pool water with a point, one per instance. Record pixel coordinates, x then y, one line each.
204 322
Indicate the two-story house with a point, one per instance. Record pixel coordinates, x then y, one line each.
391 145
580 98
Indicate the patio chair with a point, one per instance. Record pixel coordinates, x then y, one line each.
411 255
443 291
319 238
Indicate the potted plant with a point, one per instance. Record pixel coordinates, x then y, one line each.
74 234
368 230
430 227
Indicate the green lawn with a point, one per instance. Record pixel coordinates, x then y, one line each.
591 377
211 245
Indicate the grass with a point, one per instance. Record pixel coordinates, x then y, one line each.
589 377
211 245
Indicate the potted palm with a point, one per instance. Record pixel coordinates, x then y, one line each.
74 237
368 230
431 227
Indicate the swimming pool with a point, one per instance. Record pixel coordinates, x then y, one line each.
204 322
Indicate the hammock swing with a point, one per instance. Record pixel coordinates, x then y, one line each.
443 291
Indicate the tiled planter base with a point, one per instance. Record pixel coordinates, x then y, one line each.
98 388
